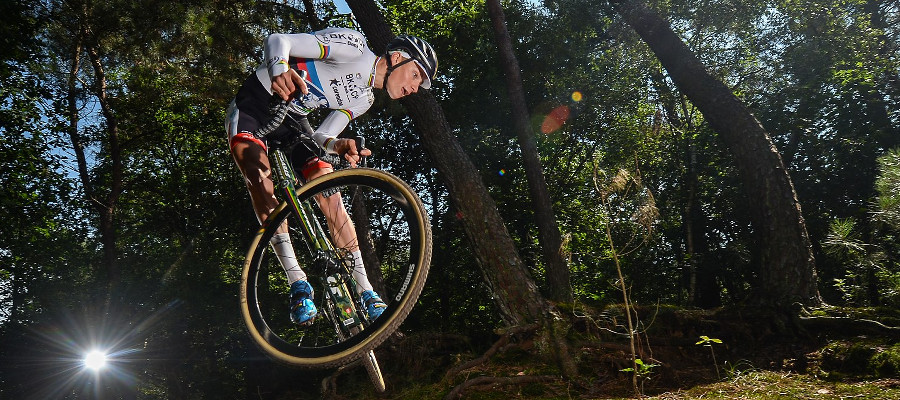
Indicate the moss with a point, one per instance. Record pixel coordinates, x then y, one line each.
886 363
863 358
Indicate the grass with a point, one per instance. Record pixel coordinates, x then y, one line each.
775 385
753 385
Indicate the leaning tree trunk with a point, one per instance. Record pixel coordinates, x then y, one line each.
515 292
558 276
787 266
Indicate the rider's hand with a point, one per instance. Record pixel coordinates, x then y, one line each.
347 148
287 84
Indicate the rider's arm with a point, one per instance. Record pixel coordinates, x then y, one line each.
325 44
331 126
326 136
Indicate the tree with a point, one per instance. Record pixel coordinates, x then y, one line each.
557 269
786 265
78 33
516 295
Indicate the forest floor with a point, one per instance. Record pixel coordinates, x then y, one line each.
744 357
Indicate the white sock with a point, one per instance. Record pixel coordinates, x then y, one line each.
359 273
281 244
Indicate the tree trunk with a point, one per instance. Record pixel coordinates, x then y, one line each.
517 296
315 22
558 276
700 275
107 207
515 293
786 264
372 263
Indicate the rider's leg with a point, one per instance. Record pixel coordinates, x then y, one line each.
344 235
253 162
249 153
342 230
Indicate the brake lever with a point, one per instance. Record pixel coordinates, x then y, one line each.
360 146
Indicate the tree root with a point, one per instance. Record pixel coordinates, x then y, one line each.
329 383
501 345
498 345
460 389
848 326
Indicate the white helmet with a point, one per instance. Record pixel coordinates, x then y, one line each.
419 51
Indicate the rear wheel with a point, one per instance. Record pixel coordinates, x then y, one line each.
394 236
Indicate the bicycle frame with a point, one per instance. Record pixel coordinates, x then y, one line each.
336 277
284 178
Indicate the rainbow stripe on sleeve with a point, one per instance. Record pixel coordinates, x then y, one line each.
324 51
347 113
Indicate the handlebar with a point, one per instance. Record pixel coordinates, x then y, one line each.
303 132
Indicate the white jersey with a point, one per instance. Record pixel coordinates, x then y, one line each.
340 73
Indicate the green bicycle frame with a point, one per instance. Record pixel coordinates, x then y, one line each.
319 245
285 179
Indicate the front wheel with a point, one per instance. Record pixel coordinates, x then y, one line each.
393 233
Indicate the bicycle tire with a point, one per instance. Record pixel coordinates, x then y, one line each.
405 258
374 371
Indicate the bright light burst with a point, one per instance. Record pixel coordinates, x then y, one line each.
89 356
95 360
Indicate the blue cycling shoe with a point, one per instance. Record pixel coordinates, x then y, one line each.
303 311
373 304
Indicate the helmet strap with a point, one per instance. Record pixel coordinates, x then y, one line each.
390 68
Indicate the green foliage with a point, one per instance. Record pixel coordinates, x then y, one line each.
642 370
860 359
887 184
870 275
821 76
887 362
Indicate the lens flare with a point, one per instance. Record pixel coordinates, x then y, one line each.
555 119
576 96
91 355
95 360
502 172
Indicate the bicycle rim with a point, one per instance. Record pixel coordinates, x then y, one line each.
396 244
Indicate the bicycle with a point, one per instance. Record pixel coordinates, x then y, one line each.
394 235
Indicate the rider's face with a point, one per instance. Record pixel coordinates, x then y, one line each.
404 80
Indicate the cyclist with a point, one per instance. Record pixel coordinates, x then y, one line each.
339 72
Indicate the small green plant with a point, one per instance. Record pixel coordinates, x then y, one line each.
735 370
641 371
707 341
631 207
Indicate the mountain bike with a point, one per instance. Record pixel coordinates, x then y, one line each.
394 235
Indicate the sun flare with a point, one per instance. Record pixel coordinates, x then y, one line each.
95 360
